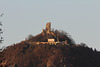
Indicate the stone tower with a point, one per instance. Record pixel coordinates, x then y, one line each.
48 27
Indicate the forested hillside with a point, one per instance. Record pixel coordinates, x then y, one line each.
45 55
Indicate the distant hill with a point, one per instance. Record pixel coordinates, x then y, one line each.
37 51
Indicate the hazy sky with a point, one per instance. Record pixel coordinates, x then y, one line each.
80 18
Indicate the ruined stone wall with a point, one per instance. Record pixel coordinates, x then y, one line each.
48 27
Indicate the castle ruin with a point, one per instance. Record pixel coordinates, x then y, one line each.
48 31
47 28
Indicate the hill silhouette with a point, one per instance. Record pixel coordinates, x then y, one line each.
44 54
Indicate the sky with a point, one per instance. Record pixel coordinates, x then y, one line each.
79 18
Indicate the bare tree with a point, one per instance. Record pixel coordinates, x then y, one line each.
1 32
29 37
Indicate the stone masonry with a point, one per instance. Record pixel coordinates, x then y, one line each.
47 28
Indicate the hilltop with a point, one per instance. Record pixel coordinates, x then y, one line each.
51 36
50 48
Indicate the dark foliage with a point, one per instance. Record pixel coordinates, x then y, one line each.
45 55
